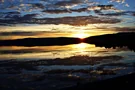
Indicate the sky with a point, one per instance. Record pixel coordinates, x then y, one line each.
59 18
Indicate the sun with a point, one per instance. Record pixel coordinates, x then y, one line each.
81 35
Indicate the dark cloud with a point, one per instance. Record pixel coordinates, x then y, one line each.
102 7
27 33
21 33
113 14
56 11
68 3
28 16
130 12
16 18
13 13
65 11
9 14
78 20
118 29
106 7
38 5
133 14
16 33
124 29
97 11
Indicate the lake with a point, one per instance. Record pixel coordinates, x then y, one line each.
68 64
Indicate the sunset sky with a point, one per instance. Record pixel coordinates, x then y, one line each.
65 18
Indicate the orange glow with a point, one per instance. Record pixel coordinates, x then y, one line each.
81 46
81 35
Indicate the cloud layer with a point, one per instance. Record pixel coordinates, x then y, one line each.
39 11
78 20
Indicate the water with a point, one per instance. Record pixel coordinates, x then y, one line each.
66 64
52 52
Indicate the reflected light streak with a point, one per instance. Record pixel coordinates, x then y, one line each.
81 48
45 52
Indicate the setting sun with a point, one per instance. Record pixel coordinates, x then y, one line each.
81 35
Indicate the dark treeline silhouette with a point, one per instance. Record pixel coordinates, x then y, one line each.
113 40
40 41
107 41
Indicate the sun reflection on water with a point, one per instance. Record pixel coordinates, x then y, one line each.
48 52
81 48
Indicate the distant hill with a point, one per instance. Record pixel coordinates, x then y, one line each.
107 41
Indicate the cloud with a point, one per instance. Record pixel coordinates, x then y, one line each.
117 29
13 13
21 33
59 7
18 17
1 1
123 2
99 12
118 1
9 14
28 16
113 14
133 14
17 33
102 7
58 11
37 5
68 3
78 20
124 29
29 33
127 5
106 7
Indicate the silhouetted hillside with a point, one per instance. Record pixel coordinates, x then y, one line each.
39 41
107 41
113 40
